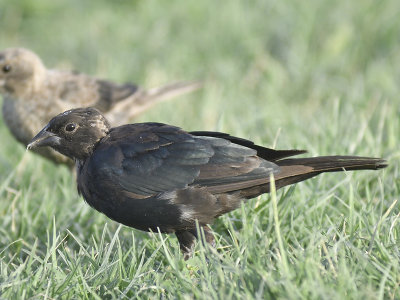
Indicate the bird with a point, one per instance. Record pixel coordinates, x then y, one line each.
158 177
33 94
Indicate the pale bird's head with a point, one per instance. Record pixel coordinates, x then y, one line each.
21 72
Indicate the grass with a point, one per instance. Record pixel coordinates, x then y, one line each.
321 75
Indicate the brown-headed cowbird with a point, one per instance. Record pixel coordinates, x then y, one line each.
32 95
153 176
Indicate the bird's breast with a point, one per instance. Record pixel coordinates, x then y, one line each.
22 120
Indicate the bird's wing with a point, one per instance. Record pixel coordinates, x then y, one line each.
152 158
263 152
82 90
111 93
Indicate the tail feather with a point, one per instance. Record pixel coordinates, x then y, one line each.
299 169
336 163
166 92
124 111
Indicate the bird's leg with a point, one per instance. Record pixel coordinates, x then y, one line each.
209 236
186 242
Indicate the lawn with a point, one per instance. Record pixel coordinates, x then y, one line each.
318 75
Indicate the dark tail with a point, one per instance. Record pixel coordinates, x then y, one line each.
336 163
299 169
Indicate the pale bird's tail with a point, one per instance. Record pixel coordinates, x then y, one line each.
124 111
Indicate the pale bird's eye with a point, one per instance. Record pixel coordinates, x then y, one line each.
6 68
70 127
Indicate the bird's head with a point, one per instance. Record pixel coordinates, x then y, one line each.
73 133
21 72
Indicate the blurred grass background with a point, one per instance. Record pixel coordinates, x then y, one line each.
318 75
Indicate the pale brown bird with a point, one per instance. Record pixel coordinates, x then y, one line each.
33 94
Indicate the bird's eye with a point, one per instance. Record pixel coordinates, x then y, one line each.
6 68
70 127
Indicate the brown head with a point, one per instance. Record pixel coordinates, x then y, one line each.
73 133
21 72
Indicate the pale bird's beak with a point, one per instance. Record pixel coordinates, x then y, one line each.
42 139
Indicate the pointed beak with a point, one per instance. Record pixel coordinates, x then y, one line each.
43 138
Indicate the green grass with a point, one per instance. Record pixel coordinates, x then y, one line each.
318 75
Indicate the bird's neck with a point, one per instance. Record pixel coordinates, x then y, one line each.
30 88
39 79
79 164
86 150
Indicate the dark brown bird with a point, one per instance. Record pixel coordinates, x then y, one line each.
153 176
32 95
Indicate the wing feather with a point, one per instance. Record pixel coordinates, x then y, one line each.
156 158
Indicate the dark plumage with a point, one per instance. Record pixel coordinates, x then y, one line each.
34 94
154 176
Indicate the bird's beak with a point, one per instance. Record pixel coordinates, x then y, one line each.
43 138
